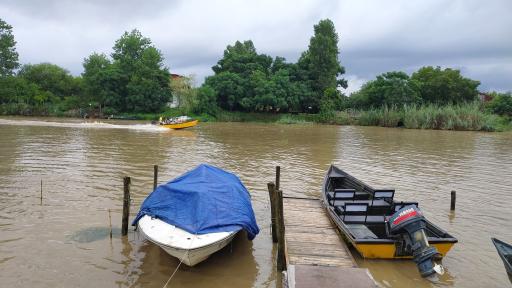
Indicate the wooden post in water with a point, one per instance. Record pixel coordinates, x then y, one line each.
110 223
155 176
126 205
41 191
281 260
278 176
452 203
271 195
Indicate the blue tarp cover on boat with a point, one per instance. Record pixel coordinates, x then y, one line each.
204 200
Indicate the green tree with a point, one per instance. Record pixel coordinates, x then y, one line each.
230 89
501 104
144 78
206 100
446 86
136 80
388 89
182 88
8 54
49 77
243 59
321 61
102 82
17 90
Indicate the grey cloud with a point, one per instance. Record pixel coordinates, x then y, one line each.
375 36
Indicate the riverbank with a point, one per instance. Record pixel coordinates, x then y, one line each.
468 117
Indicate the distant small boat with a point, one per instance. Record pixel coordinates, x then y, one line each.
180 122
505 252
197 214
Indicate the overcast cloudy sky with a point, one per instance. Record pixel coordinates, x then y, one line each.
375 36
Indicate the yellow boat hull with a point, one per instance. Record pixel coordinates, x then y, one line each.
387 250
181 125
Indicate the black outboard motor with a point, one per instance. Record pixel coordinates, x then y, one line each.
409 224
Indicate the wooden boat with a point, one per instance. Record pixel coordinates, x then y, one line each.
189 248
367 228
505 252
179 122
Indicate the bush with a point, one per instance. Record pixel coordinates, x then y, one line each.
292 119
501 104
449 117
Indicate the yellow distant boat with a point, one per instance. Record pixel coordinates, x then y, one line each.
181 122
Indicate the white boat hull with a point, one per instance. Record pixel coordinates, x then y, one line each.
190 249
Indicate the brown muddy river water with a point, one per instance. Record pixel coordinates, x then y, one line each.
64 242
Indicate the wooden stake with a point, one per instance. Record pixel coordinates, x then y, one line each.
278 176
41 191
452 202
271 195
126 205
155 176
281 260
110 223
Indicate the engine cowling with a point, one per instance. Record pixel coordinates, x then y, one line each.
409 224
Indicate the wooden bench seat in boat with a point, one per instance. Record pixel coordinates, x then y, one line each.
360 231
374 203
341 194
357 212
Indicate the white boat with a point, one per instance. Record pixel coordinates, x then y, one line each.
189 248
197 214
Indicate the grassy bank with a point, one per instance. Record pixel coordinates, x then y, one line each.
467 117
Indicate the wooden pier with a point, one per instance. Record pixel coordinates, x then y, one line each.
310 237
316 256
310 247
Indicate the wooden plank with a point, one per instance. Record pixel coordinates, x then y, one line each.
312 238
319 261
300 229
330 277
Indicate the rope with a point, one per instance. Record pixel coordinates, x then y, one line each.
181 261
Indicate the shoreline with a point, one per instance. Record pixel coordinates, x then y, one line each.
341 118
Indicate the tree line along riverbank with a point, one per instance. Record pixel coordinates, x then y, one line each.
133 83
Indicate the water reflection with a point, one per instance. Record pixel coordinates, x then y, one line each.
232 266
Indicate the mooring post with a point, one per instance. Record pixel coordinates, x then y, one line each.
126 206
281 260
110 223
452 203
271 195
41 191
155 176
278 176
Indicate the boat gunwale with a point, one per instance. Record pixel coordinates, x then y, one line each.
506 262
182 123
230 235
